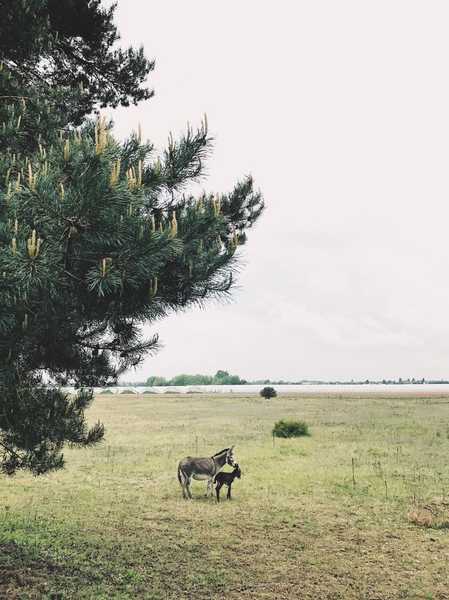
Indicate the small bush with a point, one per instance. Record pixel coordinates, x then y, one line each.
422 518
106 392
128 392
149 392
433 516
268 392
288 429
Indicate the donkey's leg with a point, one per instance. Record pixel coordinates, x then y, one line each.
210 485
183 491
182 482
217 490
229 492
189 493
186 490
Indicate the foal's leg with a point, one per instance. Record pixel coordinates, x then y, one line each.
217 489
229 492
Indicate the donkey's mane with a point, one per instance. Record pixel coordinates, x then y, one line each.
221 452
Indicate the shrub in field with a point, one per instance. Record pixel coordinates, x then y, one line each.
106 392
420 517
149 392
288 429
268 392
434 516
128 392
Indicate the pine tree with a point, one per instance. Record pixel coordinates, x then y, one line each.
97 238
71 45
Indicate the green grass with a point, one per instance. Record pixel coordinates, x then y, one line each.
356 510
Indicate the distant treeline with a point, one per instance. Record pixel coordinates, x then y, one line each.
224 378
398 381
220 378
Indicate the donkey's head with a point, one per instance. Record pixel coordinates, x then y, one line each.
230 459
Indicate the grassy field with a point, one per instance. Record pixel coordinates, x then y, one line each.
360 509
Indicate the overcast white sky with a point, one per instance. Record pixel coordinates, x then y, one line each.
340 110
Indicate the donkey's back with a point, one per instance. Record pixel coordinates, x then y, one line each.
196 467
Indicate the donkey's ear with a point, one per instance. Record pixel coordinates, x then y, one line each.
231 448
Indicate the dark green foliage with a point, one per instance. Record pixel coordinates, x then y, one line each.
128 392
220 378
97 237
157 381
268 392
70 45
108 392
36 422
288 428
224 378
91 247
184 379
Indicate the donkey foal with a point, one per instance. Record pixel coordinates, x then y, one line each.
222 479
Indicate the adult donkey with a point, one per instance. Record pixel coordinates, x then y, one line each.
202 469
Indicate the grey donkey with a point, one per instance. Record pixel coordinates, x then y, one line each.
203 468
